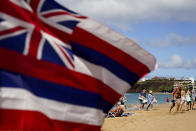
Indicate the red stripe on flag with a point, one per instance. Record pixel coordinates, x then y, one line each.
44 70
32 120
35 40
55 13
34 4
63 36
87 39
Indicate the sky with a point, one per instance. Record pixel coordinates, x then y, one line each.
165 28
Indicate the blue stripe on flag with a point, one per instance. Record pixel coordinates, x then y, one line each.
14 43
49 54
71 24
51 4
53 91
103 60
1 20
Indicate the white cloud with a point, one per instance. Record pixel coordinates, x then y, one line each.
176 61
131 11
172 39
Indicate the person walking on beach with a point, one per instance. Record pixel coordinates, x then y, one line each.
142 98
189 99
183 98
176 98
150 100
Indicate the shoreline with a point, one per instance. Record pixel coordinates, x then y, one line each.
153 92
162 93
135 107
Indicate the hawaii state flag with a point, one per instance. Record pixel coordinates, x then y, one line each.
60 70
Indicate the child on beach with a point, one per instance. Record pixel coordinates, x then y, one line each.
154 99
167 100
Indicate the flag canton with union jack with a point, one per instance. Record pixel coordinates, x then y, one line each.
43 23
60 70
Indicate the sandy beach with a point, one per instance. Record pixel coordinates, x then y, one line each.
157 119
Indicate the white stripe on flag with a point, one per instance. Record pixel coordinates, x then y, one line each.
81 67
6 25
16 21
104 75
12 34
14 98
119 41
61 18
22 4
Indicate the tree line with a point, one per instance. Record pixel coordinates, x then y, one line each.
156 84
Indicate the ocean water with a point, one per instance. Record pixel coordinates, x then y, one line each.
133 98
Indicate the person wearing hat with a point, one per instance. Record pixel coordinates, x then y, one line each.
150 100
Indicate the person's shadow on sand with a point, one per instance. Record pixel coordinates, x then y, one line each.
155 109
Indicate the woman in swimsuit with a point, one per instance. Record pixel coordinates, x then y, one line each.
176 98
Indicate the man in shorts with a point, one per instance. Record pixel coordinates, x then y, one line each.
176 98
142 98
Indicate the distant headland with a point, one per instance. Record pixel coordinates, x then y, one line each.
162 84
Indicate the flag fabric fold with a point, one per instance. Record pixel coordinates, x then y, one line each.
60 70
